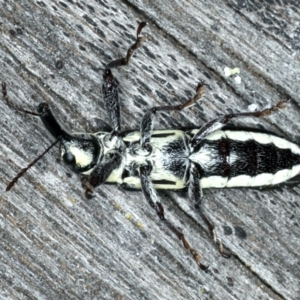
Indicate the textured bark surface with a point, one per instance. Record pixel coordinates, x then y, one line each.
55 244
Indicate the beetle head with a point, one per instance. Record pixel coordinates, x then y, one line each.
81 152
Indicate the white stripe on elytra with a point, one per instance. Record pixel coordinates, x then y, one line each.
264 179
262 138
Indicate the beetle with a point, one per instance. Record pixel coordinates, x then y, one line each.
207 157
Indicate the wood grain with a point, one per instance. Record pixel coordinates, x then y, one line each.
57 245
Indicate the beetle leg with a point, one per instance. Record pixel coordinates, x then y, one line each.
220 122
151 196
148 119
101 172
195 195
110 87
111 99
138 43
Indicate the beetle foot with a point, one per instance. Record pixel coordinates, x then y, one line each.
89 190
224 252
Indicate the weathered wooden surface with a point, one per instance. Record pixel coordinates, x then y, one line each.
56 245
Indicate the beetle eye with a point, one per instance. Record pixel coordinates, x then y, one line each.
69 158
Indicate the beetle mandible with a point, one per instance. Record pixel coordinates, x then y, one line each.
207 157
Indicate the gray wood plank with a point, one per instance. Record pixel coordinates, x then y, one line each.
57 245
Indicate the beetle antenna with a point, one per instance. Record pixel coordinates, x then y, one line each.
13 106
23 171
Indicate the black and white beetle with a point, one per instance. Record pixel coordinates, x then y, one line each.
209 157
